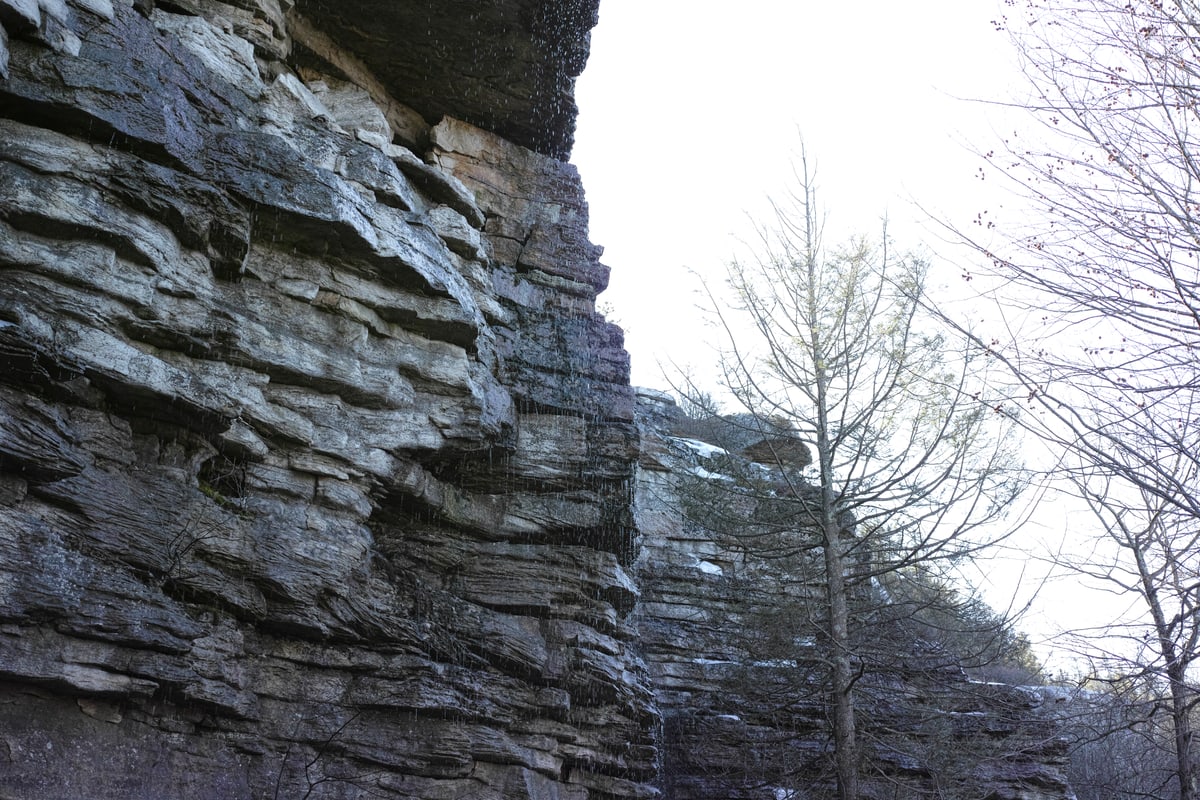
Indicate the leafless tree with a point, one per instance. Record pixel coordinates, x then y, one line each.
1100 287
910 460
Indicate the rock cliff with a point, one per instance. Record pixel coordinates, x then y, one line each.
315 456
320 475
726 622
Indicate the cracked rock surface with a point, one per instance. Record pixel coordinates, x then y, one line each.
315 456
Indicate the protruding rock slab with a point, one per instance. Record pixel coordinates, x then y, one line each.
508 66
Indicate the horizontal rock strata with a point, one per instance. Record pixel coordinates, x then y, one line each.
320 474
738 667
315 456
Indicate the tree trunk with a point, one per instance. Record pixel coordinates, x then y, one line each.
842 677
1183 731
1176 669
844 737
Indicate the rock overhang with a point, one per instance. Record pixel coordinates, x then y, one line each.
508 66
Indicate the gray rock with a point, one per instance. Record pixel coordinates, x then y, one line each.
739 672
20 16
300 489
442 187
35 441
456 232
225 55
3 53
260 23
351 107
101 8
508 67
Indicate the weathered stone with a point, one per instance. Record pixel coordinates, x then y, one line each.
21 16
553 581
286 100
35 442
55 9
439 319
351 107
442 187
550 448
531 201
3 52
367 165
101 8
741 713
267 522
221 52
456 232
508 67
258 22
128 86
312 42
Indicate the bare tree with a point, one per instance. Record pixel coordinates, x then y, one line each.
910 460
1100 285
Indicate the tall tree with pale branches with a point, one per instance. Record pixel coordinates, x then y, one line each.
910 461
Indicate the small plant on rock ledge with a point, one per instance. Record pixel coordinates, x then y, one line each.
222 479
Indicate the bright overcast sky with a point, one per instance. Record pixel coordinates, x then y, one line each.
690 113
689 116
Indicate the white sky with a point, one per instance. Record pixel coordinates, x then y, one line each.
691 113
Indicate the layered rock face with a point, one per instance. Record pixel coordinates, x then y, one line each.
731 628
315 457
320 475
